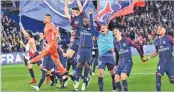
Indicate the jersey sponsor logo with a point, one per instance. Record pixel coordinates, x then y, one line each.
163 49
122 51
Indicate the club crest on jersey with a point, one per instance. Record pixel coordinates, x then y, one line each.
76 22
164 42
124 44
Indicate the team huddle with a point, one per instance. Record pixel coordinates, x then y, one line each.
114 51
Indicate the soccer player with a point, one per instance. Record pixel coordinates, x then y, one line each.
50 34
72 60
106 49
48 64
164 45
124 58
32 52
76 16
84 54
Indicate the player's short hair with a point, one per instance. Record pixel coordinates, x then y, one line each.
30 33
48 15
76 8
119 29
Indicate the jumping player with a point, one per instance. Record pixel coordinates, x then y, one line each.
84 54
50 34
32 52
164 45
48 65
106 49
123 59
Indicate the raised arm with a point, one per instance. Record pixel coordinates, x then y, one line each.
66 10
22 29
96 33
136 46
80 6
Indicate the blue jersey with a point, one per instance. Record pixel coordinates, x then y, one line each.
164 47
77 23
123 49
40 45
86 38
75 46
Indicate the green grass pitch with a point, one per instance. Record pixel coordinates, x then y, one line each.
142 78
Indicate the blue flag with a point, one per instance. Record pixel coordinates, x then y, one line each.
38 9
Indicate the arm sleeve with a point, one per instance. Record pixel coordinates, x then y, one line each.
170 39
136 46
95 32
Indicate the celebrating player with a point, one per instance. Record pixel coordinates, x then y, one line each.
105 48
32 52
84 54
164 45
123 59
50 34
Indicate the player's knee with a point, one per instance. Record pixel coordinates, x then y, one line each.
100 73
117 78
112 72
30 66
79 65
123 76
86 65
40 66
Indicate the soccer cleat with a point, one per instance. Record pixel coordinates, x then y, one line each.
83 87
114 91
65 82
74 90
76 85
32 81
35 87
88 81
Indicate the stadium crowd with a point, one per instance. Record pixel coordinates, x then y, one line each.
139 26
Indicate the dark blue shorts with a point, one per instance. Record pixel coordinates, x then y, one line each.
38 63
106 61
167 68
48 63
124 68
84 55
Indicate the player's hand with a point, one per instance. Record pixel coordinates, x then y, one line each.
111 50
66 1
90 11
